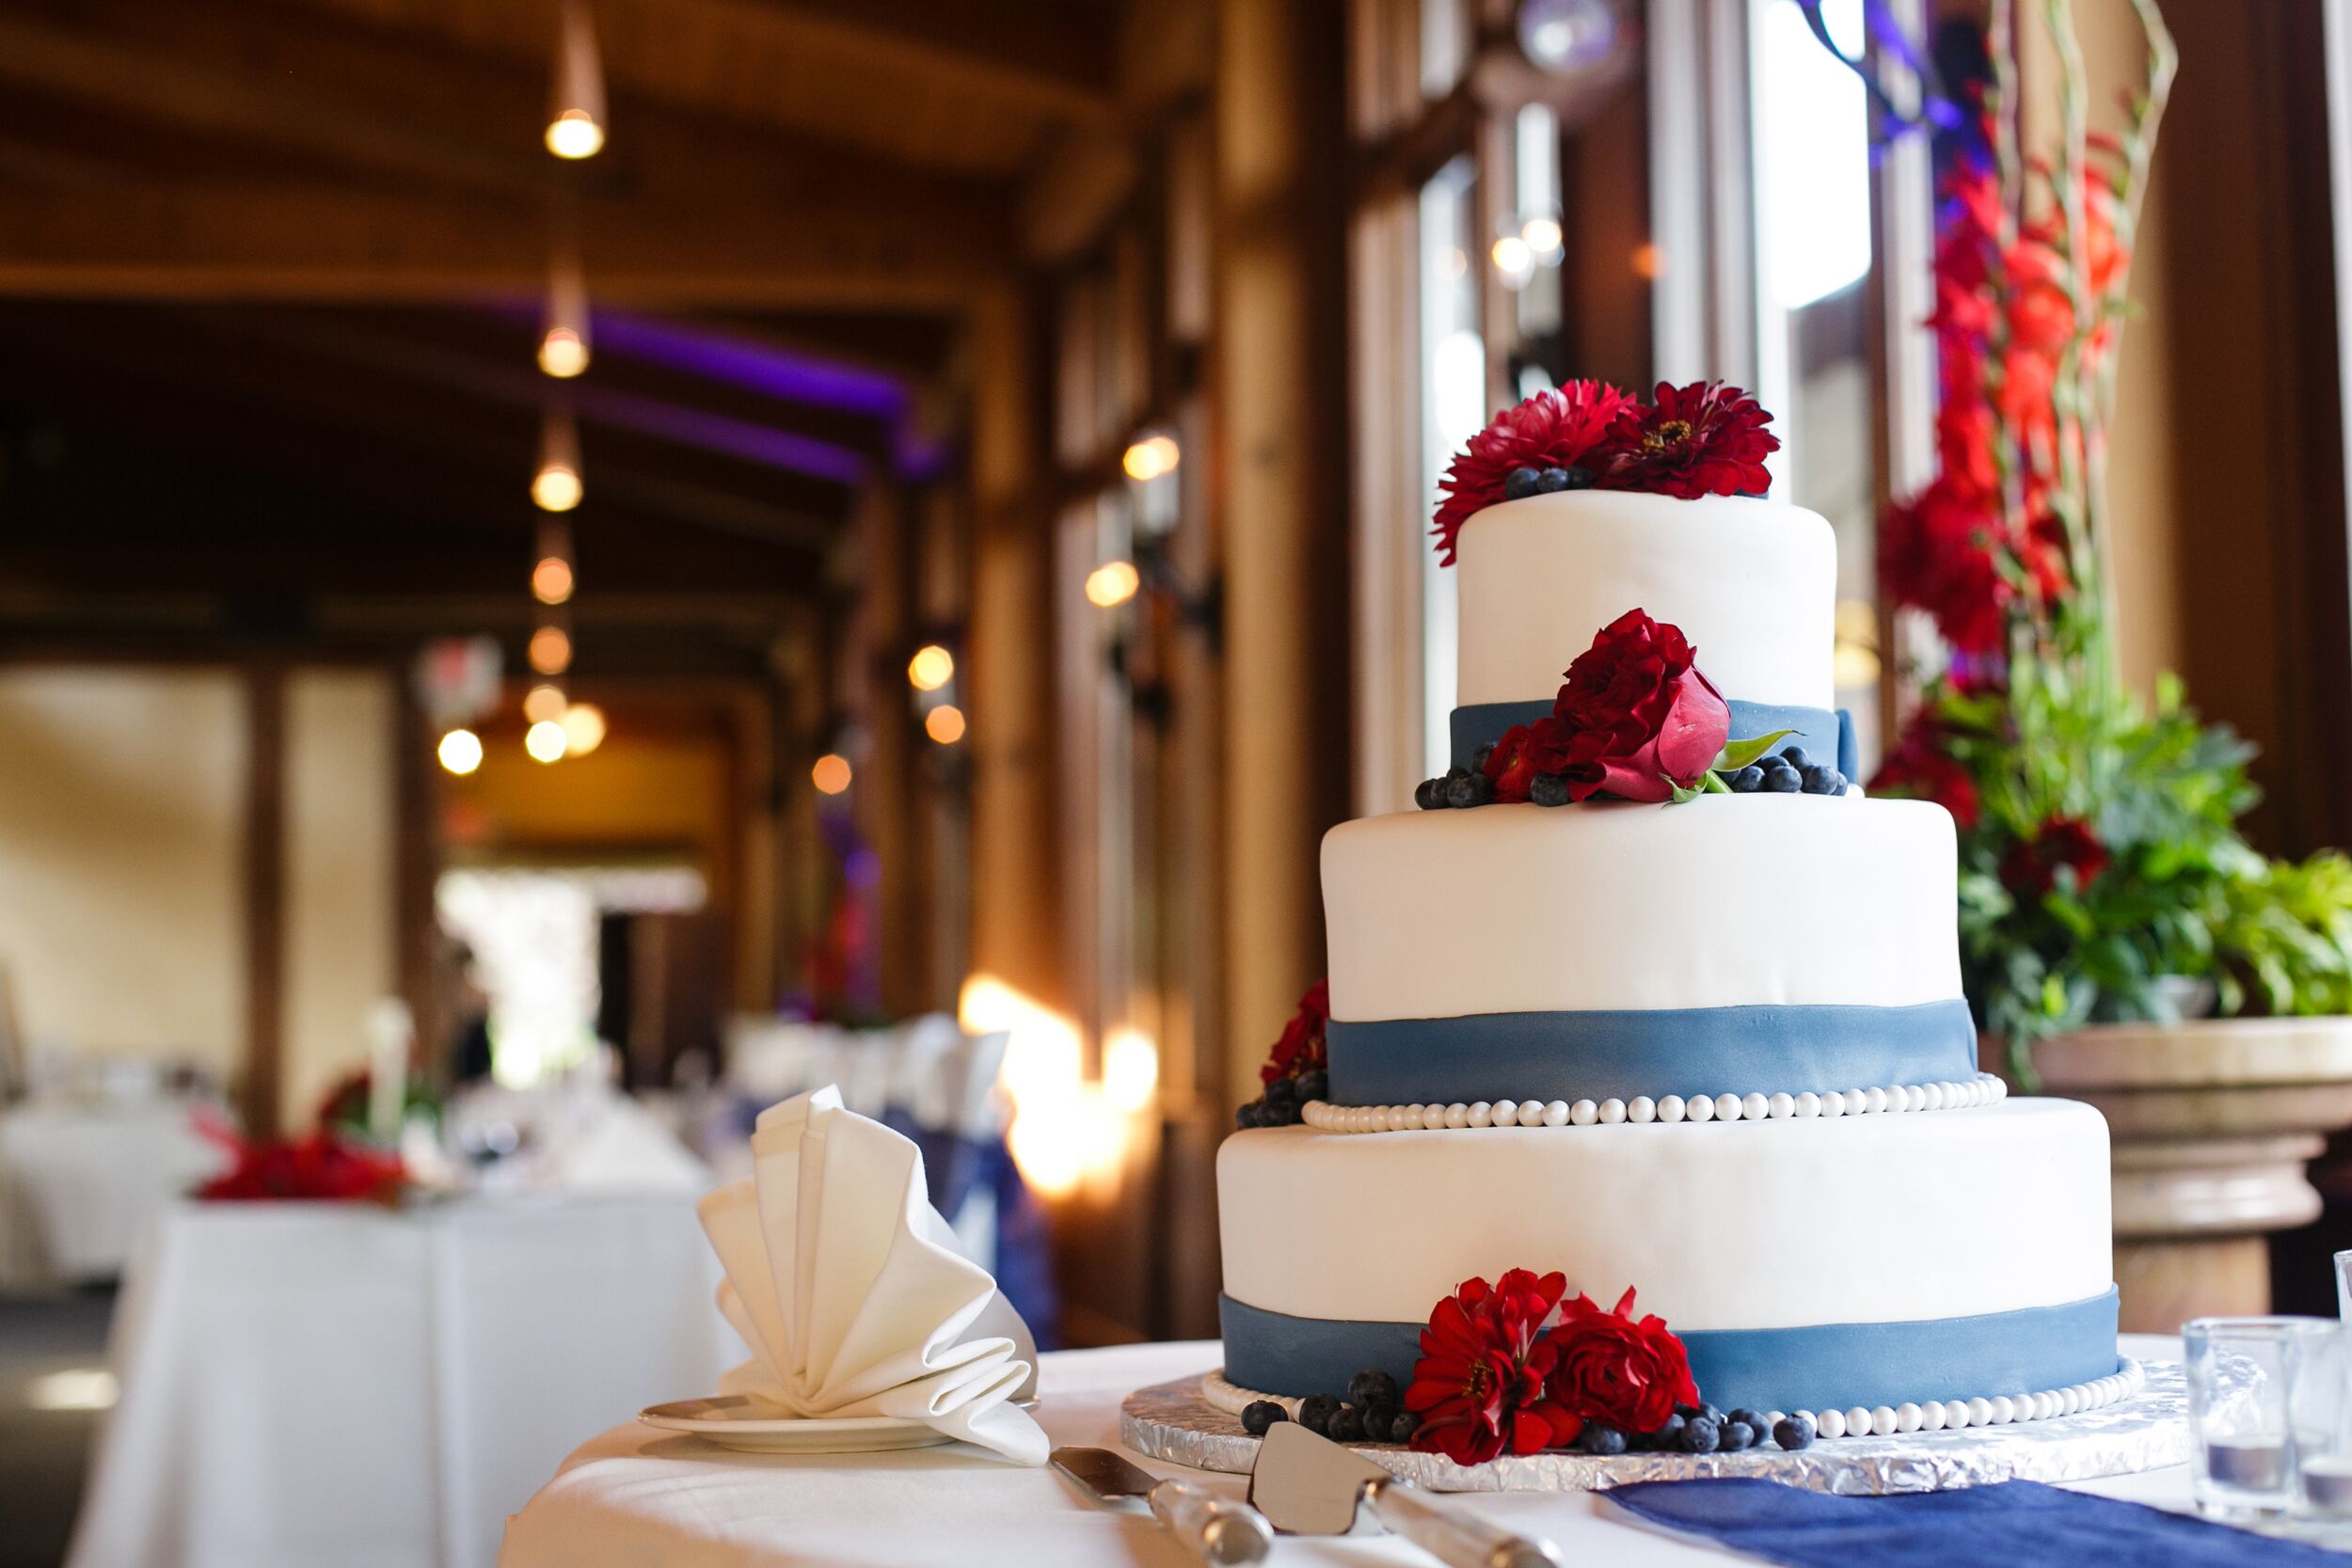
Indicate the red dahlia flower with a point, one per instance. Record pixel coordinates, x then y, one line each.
1703 439
1479 1384
1301 1049
2031 866
1609 1369
1551 430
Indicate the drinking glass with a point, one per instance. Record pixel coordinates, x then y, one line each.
2266 1415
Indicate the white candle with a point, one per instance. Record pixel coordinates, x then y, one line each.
389 1031
2254 1465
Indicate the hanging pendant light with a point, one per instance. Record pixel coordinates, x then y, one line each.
552 578
564 334
556 486
576 107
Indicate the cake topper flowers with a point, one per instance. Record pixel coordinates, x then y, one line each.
1703 439
1637 720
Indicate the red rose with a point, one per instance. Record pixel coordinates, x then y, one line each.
1611 1370
1703 439
1641 713
1525 753
2061 843
1551 430
1479 1386
1301 1050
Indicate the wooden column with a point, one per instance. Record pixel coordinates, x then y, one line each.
1278 384
416 867
264 896
886 782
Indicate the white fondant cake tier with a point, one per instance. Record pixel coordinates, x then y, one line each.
1736 900
1751 583
1748 1226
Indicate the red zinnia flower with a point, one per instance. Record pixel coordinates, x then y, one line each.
1612 1369
1479 1384
2031 868
1703 439
1551 430
1301 1050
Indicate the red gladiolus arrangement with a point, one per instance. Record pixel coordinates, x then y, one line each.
318 1166
1703 439
1479 1386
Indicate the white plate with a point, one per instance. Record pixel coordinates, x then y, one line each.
740 1421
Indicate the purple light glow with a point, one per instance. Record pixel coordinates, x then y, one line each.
754 443
761 368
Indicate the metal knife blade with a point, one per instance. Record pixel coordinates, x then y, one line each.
1310 1485
1104 1473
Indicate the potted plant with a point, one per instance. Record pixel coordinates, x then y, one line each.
2108 902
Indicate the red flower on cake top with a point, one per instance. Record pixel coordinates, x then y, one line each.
1703 439
1635 717
1479 1386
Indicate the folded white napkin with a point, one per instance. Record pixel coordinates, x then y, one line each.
847 1285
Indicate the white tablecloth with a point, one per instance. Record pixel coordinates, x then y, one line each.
77 1181
639 1497
306 1385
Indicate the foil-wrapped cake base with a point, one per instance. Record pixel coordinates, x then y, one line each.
1175 1423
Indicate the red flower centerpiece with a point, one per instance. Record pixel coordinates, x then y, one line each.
1479 1386
318 1166
1703 439
1613 1370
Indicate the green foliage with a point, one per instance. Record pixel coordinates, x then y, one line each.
1737 754
2285 938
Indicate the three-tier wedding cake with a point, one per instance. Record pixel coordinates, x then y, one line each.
1655 1011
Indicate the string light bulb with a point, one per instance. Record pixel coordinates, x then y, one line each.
1151 457
564 334
550 650
460 751
544 702
1112 584
556 486
576 116
931 667
545 741
945 723
583 728
831 775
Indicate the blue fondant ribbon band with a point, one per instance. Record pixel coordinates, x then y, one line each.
1622 1055
1823 733
1826 1365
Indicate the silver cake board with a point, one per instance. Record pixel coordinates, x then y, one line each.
1175 1423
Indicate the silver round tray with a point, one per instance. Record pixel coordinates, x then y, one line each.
1174 1422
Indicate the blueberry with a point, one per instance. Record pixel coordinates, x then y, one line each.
1430 795
1754 1421
1693 1412
1247 1116
1699 1436
1347 1425
1782 779
1737 1435
1315 1412
1282 1092
1598 1439
1258 1415
1475 790
1548 790
1552 480
1747 780
1794 756
1402 1426
1817 778
1314 1085
1519 483
1372 1388
1793 1432
1284 1115
1578 478
1668 1436
1478 758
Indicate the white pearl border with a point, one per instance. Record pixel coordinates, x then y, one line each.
1884 1421
1985 1089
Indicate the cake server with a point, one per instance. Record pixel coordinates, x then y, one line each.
1310 1485
1229 1534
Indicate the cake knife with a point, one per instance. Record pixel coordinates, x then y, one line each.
1225 1534
1310 1485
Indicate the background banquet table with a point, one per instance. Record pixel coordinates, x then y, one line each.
79 1178
305 1384
636 1495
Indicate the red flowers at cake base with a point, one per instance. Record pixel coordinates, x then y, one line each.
1614 1370
1479 1386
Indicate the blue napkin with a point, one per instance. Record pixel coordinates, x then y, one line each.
2019 1523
